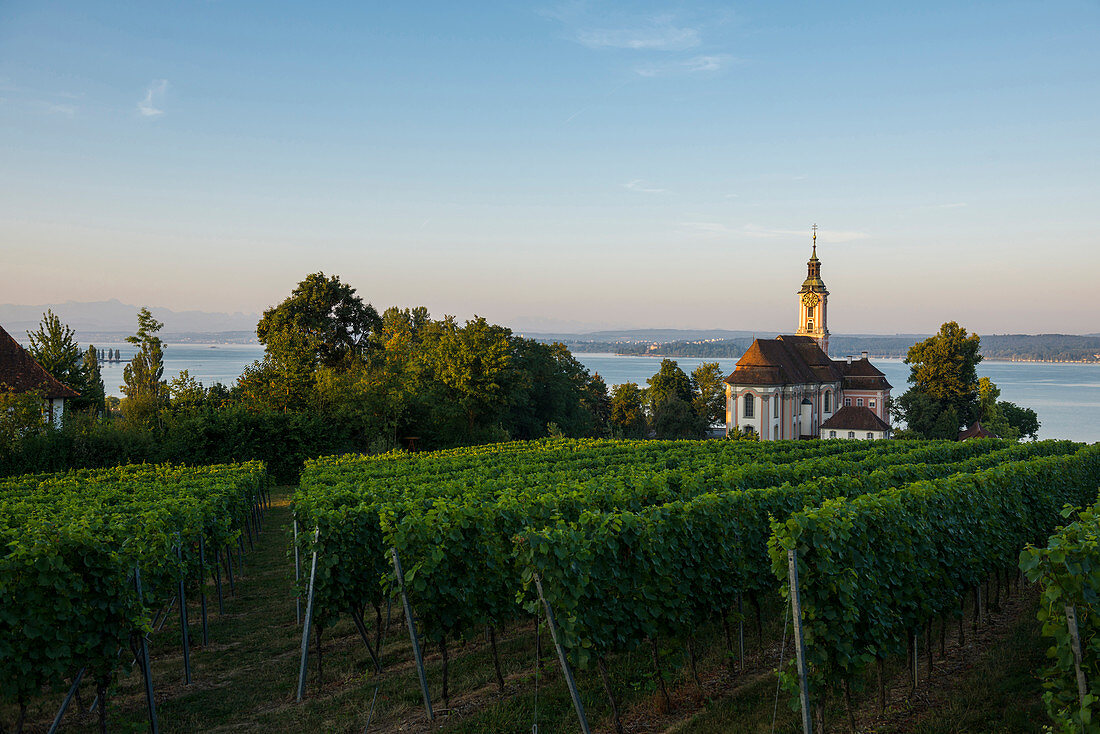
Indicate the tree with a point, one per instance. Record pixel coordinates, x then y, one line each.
1023 420
670 398
53 346
471 365
146 394
669 382
322 322
185 393
1003 418
944 383
627 412
598 403
676 418
709 393
93 394
20 415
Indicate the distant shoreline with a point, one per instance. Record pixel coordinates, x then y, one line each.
872 357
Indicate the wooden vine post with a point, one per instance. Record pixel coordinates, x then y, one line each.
297 577
1075 641
302 668
146 669
183 618
412 636
566 670
799 644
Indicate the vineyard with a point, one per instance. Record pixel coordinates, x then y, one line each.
554 584
627 544
92 559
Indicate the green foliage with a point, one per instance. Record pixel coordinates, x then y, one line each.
669 382
709 393
20 417
630 539
944 383
71 545
876 568
146 394
54 347
1068 571
322 322
738 434
628 418
675 418
92 392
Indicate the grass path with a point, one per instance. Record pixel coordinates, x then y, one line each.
245 679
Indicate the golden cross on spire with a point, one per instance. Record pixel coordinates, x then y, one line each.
815 239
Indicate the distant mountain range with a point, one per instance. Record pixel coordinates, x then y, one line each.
114 319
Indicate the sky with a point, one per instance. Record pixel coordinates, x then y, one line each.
565 166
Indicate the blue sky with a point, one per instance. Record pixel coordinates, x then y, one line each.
576 164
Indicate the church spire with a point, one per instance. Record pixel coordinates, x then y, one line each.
812 301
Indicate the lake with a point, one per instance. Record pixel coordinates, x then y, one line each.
1066 396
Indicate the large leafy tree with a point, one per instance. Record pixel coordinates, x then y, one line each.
944 383
146 393
53 345
322 323
709 393
628 418
670 399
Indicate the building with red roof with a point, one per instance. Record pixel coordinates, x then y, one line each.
789 387
19 372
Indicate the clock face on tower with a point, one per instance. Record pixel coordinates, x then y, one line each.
810 299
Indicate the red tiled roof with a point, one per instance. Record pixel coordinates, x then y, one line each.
862 375
976 431
785 360
773 362
855 418
21 373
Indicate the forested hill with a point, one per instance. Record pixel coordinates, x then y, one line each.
1039 347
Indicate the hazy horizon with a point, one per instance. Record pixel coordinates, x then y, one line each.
613 165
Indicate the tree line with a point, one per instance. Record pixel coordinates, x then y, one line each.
336 376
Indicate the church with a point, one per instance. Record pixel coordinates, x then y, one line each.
789 388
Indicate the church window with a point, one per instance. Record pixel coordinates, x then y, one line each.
851 434
775 433
847 401
859 402
775 408
828 402
809 326
748 406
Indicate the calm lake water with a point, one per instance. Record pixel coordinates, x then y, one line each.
1066 396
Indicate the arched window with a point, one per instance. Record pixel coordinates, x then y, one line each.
749 407
828 402
775 409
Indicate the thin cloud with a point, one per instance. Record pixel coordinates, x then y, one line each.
834 236
708 229
640 185
670 39
694 65
154 98
658 34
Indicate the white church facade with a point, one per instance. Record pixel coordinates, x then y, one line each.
789 388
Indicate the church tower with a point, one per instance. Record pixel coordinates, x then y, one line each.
812 300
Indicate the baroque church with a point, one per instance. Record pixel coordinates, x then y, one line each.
789 388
